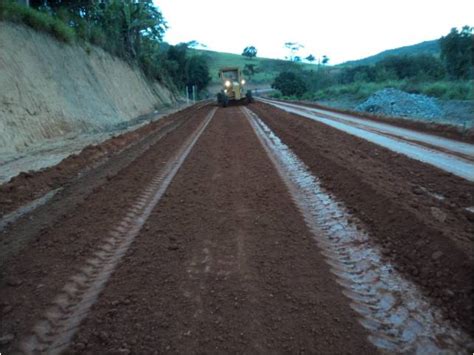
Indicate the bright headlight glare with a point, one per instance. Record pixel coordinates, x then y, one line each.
227 83
243 81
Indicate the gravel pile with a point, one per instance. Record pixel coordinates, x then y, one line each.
393 102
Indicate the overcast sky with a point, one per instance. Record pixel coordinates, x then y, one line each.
341 29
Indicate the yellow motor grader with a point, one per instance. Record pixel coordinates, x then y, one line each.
233 84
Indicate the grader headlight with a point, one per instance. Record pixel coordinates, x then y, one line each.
227 83
243 82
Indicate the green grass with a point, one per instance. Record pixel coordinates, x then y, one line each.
448 90
267 68
40 21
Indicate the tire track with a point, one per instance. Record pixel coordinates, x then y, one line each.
53 333
392 308
20 233
455 163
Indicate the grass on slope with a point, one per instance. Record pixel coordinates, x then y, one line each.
40 21
267 69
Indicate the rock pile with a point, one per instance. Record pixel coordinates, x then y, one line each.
397 103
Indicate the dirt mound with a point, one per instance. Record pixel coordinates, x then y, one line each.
397 103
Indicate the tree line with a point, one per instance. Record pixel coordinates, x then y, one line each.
455 63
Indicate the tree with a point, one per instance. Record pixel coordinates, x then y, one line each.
250 70
131 29
250 52
197 72
422 66
319 79
358 73
78 7
125 23
325 60
195 44
311 58
293 47
176 63
139 19
289 84
457 53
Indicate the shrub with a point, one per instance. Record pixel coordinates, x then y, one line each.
98 37
459 91
307 96
290 84
436 90
37 20
62 31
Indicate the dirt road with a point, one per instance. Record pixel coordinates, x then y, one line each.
240 230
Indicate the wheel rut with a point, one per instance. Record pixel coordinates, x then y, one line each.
393 309
219 238
53 334
225 263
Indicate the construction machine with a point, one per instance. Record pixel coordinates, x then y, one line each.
233 87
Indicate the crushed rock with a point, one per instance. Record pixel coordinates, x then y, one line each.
397 103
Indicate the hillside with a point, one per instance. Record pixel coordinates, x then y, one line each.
427 47
49 89
267 68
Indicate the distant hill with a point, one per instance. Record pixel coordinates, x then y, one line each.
267 69
427 47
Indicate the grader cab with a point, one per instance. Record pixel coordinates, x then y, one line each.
233 87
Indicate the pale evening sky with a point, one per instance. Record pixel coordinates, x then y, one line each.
341 29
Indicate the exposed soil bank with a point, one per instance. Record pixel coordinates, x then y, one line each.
50 89
416 213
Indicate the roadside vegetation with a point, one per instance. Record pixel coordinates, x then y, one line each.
448 75
131 30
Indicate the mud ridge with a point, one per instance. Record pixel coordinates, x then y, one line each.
54 332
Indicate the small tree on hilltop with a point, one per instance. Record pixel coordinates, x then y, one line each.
293 47
195 44
250 52
311 58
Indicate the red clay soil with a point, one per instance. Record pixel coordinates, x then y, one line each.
224 263
31 278
438 129
28 186
429 240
